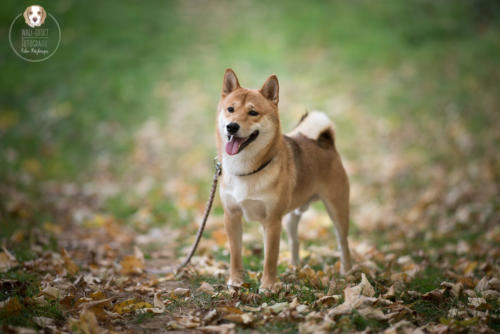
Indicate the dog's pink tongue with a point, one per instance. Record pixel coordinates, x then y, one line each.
233 145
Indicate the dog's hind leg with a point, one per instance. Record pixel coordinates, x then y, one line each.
337 206
292 223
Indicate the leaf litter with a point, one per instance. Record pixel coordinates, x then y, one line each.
426 257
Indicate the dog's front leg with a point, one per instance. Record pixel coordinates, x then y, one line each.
234 230
272 248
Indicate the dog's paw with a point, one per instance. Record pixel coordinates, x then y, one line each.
270 288
234 283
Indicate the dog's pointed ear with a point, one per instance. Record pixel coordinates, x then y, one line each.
271 89
230 82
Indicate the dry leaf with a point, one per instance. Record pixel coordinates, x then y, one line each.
130 305
181 292
131 264
51 292
278 307
11 306
243 318
70 266
327 301
206 287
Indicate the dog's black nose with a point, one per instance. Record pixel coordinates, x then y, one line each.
232 128
35 18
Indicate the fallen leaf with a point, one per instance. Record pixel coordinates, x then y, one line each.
243 318
51 292
130 305
11 306
327 301
131 264
435 295
86 324
206 287
278 307
70 266
181 292
219 329
210 316
44 321
372 313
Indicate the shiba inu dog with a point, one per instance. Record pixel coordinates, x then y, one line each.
267 175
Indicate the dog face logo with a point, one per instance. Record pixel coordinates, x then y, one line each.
34 16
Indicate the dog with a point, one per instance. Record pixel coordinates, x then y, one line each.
34 16
267 175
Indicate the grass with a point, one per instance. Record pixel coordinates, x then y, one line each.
26 286
281 327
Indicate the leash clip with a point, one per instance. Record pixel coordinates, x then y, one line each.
218 166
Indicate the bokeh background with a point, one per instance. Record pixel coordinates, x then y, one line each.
119 123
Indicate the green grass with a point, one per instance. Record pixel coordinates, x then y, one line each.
144 317
360 323
276 327
25 287
427 280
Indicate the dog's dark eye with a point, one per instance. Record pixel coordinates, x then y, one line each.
230 109
253 113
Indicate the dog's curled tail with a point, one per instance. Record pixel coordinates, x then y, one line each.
317 126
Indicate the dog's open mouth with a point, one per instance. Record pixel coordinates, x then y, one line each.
236 144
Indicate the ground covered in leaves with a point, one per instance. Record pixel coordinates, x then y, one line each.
105 171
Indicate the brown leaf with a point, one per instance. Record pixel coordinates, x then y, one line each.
11 306
206 287
70 266
243 318
87 324
327 301
181 292
51 292
435 295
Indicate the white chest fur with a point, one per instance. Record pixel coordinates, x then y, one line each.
252 194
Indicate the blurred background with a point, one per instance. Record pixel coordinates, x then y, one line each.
119 123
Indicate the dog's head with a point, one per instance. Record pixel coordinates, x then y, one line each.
248 119
35 16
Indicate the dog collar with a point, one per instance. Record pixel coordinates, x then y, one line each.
264 165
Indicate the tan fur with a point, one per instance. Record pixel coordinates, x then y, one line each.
304 166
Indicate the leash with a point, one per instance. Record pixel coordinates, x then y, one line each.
208 207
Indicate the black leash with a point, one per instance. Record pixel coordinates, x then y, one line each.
208 207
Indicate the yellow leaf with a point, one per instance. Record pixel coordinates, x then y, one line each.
50 227
130 305
70 266
131 265
470 267
97 221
